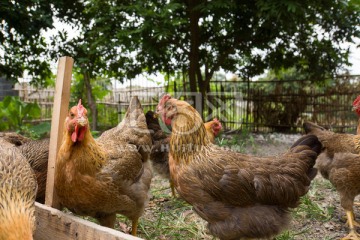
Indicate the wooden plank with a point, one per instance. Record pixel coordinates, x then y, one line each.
60 109
56 225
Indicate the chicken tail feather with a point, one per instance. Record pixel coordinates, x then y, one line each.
308 140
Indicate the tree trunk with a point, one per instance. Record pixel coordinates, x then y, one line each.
91 101
194 16
198 83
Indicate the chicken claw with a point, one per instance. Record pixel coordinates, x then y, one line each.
350 214
353 235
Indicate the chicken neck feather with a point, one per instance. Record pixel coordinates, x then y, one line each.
188 134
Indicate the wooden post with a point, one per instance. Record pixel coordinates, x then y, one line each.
60 109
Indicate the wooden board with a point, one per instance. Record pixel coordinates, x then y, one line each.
60 109
56 225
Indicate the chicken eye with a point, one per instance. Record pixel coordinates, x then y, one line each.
72 115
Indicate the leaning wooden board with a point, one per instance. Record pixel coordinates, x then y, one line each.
60 109
56 225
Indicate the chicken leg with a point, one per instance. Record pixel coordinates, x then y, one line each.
172 188
134 225
353 235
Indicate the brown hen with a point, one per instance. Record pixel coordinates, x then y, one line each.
340 164
36 153
240 196
160 151
213 128
108 176
17 196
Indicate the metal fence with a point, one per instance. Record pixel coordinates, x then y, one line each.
289 104
281 106
258 106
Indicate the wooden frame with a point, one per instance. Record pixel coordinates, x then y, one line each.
51 222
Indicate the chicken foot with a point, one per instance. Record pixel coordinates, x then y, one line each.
354 222
353 235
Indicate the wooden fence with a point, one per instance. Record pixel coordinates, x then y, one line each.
258 106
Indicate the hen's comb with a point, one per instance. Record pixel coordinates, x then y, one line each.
162 101
218 123
356 105
356 102
80 109
165 98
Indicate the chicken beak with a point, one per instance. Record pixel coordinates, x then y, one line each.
82 121
156 115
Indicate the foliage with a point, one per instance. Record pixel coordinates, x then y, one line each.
22 46
96 88
238 141
13 113
291 78
37 131
310 209
244 37
40 130
15 116
100 87
109 116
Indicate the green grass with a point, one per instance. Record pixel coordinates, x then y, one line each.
238 142
168 217
290 235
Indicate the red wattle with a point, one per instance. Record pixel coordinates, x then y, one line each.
74 134
166 120
82 134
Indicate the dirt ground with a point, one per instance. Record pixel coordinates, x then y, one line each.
321 217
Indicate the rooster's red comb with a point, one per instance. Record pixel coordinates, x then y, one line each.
356 102
80 109
356 105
